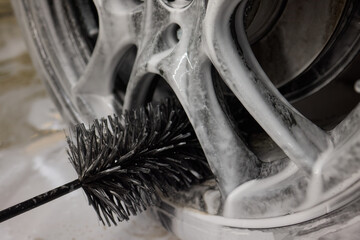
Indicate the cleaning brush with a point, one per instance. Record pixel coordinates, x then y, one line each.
125 163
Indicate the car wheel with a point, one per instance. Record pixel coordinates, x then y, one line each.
270 87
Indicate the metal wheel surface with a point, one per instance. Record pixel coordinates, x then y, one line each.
269 87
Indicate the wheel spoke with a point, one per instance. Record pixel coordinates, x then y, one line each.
96 84
231 161
299 138
272 200
151 46
189 74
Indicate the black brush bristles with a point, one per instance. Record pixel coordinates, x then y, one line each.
124 162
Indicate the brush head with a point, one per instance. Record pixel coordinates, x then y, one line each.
125 162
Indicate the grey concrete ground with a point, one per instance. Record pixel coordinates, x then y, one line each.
33 157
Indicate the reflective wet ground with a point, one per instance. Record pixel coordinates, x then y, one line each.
33 156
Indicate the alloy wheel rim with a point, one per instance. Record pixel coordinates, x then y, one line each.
185 64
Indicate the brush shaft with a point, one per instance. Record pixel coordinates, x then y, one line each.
39 200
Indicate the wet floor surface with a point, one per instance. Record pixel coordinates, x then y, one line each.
33 156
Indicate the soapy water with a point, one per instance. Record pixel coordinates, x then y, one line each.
32 137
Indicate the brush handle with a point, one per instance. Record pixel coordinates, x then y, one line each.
39 200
